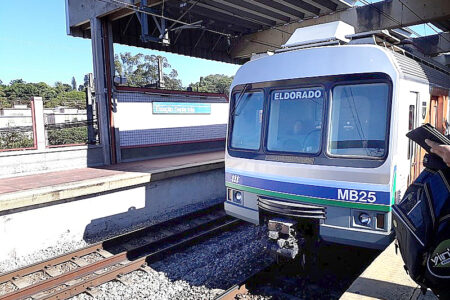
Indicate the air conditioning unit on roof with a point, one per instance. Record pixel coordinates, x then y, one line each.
318 34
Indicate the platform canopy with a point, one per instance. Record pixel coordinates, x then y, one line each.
232 30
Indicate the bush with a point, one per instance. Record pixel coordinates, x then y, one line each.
64 136
14 140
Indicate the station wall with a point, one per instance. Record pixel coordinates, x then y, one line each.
152 124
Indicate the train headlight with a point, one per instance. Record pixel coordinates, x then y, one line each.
238 197
364 219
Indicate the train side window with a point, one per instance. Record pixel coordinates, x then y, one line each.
411 122
358 120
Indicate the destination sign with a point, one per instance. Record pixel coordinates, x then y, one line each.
299 94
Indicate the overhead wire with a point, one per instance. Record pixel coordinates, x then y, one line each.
136 8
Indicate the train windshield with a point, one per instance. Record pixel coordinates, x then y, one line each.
247 120
295 120
358 120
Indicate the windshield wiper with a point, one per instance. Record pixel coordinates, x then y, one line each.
237 103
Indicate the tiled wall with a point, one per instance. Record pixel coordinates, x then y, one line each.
138 126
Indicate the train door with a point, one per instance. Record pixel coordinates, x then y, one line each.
435 114
414 120
442 114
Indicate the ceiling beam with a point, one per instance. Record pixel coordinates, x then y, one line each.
81 11
240 5
208 16
433 45
443 59
323 9
267 6
236 13
282 8
388 14
301 6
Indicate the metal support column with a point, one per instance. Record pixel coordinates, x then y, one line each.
101 93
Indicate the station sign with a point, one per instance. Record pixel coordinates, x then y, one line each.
181 108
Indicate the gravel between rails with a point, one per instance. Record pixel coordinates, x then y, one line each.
200 272
65 247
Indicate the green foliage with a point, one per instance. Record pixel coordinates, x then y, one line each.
74 83
64 136
20 92
14 139
216 83
142 70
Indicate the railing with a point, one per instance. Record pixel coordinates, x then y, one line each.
33 127
71 133
18 132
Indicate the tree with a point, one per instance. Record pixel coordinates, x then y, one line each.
142 70
62 87
171 81
217 83
20 92
74 83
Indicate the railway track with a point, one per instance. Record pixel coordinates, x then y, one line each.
82 270
337 267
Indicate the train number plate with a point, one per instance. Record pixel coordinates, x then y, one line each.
357 196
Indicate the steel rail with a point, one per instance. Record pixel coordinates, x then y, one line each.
140 262
199 220
96 266
102 245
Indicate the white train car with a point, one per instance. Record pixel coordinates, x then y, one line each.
316 142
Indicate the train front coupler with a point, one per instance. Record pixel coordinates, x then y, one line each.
284 238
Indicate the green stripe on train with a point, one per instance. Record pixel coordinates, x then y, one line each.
376 207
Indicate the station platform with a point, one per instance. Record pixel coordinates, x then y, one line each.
385 278
36 190
88 204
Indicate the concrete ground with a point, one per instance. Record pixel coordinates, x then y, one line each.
385 278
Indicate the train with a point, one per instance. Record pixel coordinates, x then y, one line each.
316 147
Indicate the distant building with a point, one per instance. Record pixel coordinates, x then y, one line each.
62 114
20 116
17 116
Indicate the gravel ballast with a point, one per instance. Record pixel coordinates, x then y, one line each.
200 272
205 270
69 246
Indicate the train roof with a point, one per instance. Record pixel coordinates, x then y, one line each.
335 58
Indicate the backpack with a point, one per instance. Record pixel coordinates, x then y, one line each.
422 227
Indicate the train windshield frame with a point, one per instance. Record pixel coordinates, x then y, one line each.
371 150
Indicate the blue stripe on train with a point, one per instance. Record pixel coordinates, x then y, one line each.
332 193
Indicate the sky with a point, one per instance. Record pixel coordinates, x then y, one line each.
34 46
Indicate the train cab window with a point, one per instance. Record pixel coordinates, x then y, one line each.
247 120
295 120
358 120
